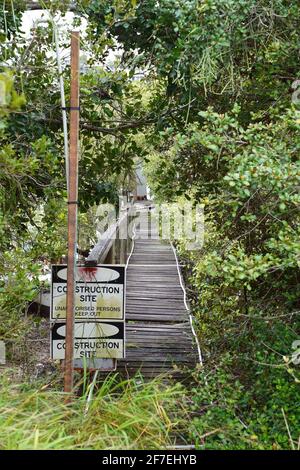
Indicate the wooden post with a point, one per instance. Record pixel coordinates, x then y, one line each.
122 251
110 258
72 211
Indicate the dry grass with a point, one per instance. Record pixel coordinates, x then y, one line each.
121 415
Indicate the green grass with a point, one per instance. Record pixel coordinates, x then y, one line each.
121 415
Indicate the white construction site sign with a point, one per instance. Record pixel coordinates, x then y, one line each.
91 340
99 292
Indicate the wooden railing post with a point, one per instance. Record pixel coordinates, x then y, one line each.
123 250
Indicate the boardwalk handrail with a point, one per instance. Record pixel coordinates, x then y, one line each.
112 248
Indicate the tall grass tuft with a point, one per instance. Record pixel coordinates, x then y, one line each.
126 414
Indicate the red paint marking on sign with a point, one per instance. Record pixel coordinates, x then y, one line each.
88 274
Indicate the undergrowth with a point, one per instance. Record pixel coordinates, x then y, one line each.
124 415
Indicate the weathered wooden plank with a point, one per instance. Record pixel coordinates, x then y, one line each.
158 330
155 308
154 317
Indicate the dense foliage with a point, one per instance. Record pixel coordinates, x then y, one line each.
227 136
33 205
202 90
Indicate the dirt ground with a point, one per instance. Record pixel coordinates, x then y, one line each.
29 357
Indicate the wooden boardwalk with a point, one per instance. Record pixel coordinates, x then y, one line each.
160 337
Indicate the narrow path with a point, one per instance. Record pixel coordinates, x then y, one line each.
160 338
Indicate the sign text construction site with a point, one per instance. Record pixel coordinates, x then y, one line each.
91 340
99 292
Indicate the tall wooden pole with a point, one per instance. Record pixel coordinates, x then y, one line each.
72 211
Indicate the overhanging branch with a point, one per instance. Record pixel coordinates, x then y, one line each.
38 6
